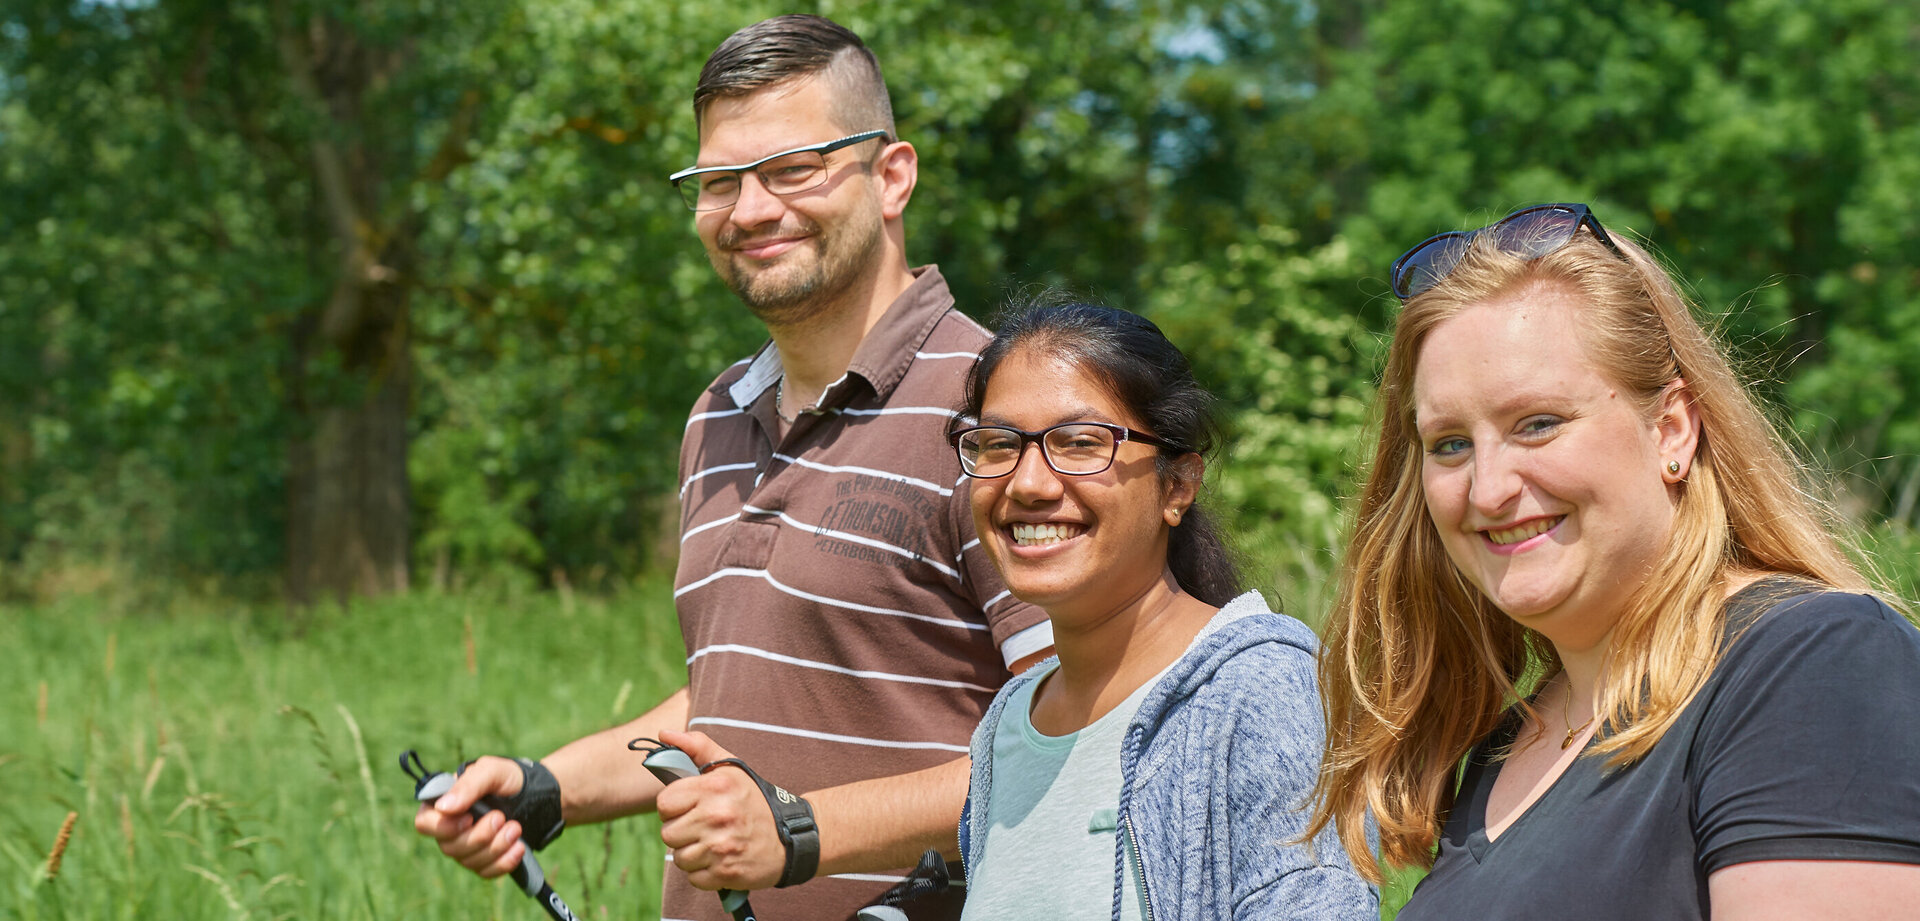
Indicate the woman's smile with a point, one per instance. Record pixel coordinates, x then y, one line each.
1044 535
1518 538
1080 546
1542 478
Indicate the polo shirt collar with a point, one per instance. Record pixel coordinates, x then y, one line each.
883 356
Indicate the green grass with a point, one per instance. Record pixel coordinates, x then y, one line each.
1894 555
231 763
235 762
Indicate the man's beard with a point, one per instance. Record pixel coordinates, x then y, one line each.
782 295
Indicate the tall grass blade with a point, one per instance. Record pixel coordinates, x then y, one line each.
366 772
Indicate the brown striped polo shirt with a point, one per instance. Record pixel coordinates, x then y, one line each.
841 619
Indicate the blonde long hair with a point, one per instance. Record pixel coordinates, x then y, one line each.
1418 666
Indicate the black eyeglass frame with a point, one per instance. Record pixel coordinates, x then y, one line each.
1120 434
1582 216
822 149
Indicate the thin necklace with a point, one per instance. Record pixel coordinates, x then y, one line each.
778 386
1566 715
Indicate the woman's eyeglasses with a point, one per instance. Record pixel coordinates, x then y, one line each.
1070 449
1528 233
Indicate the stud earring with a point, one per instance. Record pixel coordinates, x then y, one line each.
1673 467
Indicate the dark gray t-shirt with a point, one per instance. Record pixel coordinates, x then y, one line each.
1803 745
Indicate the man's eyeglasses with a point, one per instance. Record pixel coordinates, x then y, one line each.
1070 449
1528 233
710 188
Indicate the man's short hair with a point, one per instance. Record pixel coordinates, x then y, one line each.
784 48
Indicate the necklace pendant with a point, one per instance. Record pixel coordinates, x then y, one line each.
1564 743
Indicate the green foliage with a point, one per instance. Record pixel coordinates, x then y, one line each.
574 318
113 300
474 528
223 765
1265 324
1892 556
1242 172
1763 147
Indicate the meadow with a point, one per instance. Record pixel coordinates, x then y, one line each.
230 762
238 761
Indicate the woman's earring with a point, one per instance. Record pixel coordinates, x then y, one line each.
1173 517
1673 467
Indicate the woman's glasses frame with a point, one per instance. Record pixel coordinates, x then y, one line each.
1120 433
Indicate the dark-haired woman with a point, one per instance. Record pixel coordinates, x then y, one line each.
1574 498
1159 766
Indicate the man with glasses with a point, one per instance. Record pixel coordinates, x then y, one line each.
842 623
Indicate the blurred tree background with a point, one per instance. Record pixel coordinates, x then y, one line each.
320 298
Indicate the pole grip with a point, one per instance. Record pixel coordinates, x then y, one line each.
668 764
527 874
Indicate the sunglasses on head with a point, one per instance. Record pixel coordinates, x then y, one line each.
1528 233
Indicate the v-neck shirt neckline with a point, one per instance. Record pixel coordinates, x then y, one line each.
1776 758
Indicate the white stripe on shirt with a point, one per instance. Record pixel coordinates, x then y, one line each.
822 599
852 538
837 669
711 524
722 468
941 411
716 414
1027 642
822 736
817 531
865 471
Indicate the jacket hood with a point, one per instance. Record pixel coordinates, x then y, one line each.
1245 622
1245 652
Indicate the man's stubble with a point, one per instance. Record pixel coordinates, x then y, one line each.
788 295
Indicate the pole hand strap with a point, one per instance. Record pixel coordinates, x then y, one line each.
536 807
793 819
429 786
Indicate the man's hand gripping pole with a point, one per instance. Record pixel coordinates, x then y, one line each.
430 786
669 764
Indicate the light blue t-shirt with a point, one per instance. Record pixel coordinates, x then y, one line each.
1048 850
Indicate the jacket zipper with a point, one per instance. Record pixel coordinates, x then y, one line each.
1139 868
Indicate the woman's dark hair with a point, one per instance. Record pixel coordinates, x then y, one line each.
1153 381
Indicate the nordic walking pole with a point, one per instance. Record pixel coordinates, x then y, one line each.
430 786
669 764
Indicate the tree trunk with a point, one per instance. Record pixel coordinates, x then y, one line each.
348 500
351 374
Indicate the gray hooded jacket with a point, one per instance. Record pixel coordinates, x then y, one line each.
1217 769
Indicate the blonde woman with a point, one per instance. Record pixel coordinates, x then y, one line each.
1584 564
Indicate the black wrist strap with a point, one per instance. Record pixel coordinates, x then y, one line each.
539 802
793 819
536 807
